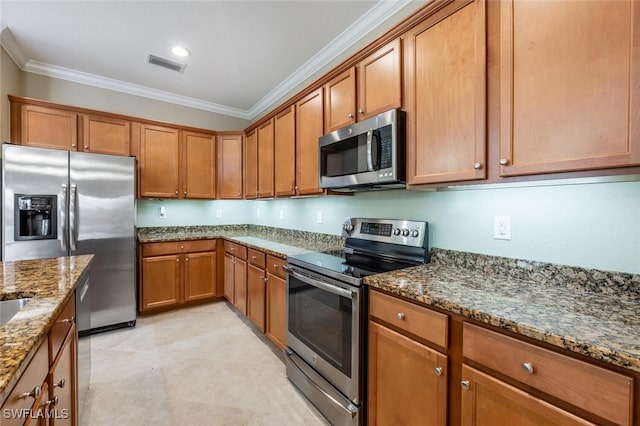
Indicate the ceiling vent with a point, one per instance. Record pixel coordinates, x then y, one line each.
165 63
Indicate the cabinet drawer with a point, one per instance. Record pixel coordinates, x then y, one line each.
422 322
61 327
33 377
256 258
274 266
174 247
236 250
602 392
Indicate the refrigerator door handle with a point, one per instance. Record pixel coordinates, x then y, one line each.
63 218
73 218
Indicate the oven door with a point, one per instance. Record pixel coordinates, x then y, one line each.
324 327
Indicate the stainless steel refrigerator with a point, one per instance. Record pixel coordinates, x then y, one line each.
59 203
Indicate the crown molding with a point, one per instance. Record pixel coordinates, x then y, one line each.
378 14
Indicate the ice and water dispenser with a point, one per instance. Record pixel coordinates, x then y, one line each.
35 217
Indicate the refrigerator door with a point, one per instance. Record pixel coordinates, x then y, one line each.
42 173
102 222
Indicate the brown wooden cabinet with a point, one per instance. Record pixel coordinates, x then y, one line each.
309 127
256 289
276 301
568 98
45 127
251 165
229 177
235 275
380 80
159 161
174 273
62 384
105 135
407 380
445 86
266 160
285 152
198 165
340 101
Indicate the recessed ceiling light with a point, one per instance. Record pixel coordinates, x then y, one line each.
181 51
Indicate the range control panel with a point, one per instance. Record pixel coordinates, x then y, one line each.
405 232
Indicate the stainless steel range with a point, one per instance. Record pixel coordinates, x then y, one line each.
326 311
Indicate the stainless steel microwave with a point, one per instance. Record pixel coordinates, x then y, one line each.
367 155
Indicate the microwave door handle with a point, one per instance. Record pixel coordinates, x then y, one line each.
369 150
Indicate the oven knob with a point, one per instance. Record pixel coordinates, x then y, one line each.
405 232
396 231
415 233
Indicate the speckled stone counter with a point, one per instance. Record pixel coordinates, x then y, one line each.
48 282
590 312
275 241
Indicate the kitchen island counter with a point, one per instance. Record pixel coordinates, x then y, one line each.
589 312
49 283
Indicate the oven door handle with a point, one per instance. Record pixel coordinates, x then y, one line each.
321 284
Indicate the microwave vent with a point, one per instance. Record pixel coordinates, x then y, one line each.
165 63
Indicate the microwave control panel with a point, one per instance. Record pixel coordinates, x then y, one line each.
386 147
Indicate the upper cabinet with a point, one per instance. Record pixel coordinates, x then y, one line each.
309 127
229 166
285 152
251 165
106 135
265 160
198 165
569 93
45 127
373 86
445 88
159 160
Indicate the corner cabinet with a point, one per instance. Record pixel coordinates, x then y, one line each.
445 94
177 273
568 86
229 160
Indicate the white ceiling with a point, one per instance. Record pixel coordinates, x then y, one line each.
245 54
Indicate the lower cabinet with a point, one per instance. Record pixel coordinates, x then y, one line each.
256 289
235 275
174 273
62 383
276 301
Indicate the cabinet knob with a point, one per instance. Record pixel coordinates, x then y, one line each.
176 192
465 384
360 111
185 193
86 147
35 393
239 194
477 166
265 279
400 315
297 187
438 371
53 401
177 259
73 145
186 259
60 384
504 161
68 320
527 367
253 257
350 115
275 266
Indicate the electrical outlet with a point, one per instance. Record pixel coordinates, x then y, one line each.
502 227
218 213
319 217
162 212
281 214
258 213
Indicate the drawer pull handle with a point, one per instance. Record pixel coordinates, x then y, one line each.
438 371
465 384
527 367
400 316
275 266
68 320
53 402
35 393
253 257
60 384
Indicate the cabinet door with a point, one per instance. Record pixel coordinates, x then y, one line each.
105 135
256 295
228 277
198 165
229 167
62 383
405 386
445 98
277 310
199 275
240 285
309 127
380 81
265 160
251 165
285 153
568 85
48 128
159 161
489 401
160 281
340 101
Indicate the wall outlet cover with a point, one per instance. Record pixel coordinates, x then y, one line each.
319 217
218 213
502 227
162 212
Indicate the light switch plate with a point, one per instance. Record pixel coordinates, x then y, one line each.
162 212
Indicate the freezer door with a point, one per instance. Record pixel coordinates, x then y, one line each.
102 222
33 171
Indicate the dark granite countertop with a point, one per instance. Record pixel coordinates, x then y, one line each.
48 282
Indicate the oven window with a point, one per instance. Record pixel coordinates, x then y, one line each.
345 157
322 321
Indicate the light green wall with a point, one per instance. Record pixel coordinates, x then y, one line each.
9 83
193 212
594 225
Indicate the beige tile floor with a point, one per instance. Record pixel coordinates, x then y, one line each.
204 365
